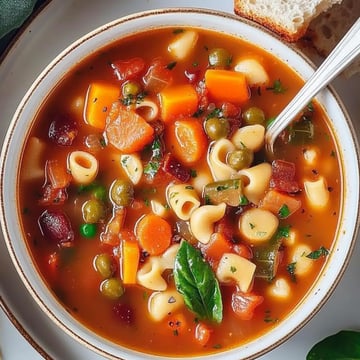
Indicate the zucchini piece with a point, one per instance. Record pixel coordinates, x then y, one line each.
227 191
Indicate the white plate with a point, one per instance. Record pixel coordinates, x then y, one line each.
60 23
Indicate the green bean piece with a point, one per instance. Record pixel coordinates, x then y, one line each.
253 116
88 230
240 159
93 211
219 57
267 258
103 265
112 288
130 88
227 191
217 128
122 192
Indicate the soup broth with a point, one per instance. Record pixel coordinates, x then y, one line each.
148 202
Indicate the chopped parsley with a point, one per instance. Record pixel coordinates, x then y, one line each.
284 211
243 200
316 254
171 65
277 88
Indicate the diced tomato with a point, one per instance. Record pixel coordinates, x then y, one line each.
173 167
243 250
244 304
192 76
53 196
57 174
202 333
217 246
283 176
158 76
128 69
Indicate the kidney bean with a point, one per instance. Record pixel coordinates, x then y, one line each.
63 130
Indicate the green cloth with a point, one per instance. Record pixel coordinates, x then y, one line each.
13 13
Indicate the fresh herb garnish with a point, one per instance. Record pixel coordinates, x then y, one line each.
284 211
151 168
277 88
243 200
171 65
196 281
316 254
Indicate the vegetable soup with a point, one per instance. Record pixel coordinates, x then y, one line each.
148 202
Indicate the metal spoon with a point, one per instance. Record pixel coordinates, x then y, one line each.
346 51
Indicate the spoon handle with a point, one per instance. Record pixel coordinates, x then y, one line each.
345 52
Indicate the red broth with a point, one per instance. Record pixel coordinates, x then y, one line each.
68 222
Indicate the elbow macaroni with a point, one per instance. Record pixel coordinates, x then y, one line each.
220 170
302 263
133 167
149 109
183 200
256 180
251 136
258 225
317 193
83 167
202 221
150 275
162 303
235 268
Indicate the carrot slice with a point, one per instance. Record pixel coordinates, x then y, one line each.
154 234
227 85
126 130
275 200
187 140
181 100
130 261
98 102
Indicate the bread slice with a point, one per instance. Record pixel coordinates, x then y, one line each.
288 18
326 30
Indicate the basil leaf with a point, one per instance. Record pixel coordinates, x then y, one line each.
345 345
196 281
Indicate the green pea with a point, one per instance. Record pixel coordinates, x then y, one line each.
219 57
217 128
88 230
112 288
99 192
121 192
254 115
131 88
103 265
240 159
93 211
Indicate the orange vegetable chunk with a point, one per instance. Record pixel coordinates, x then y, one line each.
187 140
178 101
275 200
227 85
154 234
126 130
99 99
130 261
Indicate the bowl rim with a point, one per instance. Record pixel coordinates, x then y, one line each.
4 157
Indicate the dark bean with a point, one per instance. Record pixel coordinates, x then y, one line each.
63 130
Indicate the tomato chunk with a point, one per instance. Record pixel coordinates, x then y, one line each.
244 304
128 69
283 176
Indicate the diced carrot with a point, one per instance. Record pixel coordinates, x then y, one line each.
244 304
154 234
129 261
187 140
99 99
227 85
202 333
178 101
275 200
217 246
126 130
